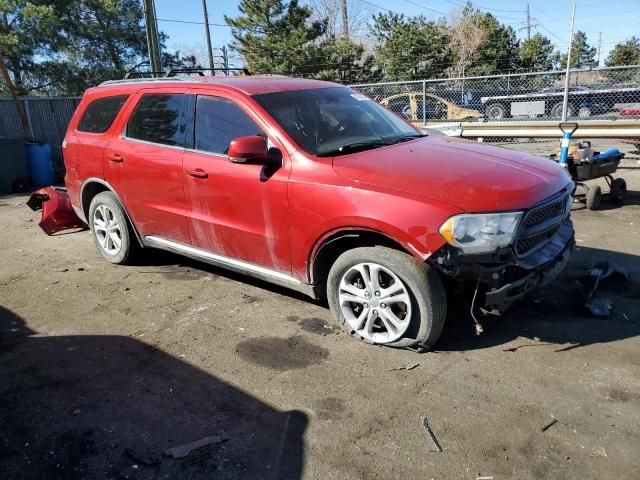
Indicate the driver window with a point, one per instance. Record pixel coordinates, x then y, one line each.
218 121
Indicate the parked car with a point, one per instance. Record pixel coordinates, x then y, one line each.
314 186
410 106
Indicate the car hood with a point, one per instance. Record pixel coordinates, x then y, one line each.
468 175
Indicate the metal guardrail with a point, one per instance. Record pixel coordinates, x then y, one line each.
627 129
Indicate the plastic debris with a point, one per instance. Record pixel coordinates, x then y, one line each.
600 306
602 270
182 451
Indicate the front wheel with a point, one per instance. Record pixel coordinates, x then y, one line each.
618 190
496 111
556 110
594 197
387 297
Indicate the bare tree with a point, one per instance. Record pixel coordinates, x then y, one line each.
357 17
467 35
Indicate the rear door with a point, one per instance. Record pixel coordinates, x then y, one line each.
236 210
144 163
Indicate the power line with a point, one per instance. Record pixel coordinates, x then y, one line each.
448 14
191 22
480 7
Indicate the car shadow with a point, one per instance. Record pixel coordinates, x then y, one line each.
555 314
108 406
173 262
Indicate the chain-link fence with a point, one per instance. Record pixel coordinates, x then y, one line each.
599 93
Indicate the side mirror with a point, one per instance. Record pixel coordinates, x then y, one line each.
251 149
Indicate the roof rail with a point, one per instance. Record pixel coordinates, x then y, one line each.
144 80
134 75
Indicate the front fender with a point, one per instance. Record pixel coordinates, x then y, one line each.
320 211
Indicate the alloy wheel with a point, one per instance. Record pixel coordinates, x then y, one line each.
107 230
375 302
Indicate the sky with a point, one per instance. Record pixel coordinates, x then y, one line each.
617 20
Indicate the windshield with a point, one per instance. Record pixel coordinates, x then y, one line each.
335 121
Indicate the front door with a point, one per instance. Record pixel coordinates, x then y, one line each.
144 164
234 210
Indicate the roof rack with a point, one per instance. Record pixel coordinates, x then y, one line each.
200 71
172 72
135 75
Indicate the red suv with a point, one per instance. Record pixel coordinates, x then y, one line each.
315 186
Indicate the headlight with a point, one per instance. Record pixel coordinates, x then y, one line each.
481 233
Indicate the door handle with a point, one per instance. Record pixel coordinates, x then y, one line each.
115 158
198 173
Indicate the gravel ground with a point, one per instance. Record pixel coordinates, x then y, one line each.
104 367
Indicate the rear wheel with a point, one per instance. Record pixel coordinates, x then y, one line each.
387 297
111 231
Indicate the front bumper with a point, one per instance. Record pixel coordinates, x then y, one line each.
500 298
502 275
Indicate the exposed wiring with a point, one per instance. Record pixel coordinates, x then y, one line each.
479 328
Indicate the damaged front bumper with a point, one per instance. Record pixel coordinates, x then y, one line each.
501 276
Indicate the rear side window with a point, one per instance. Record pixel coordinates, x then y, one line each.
100 114
158 118
218 121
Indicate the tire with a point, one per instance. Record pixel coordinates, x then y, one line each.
417 313
556 110
108 221
594 197
584 112
495 111
618 190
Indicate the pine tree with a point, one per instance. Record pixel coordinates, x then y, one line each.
274 36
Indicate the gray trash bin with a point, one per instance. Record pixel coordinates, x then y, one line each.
13 163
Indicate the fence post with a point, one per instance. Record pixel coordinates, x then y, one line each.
565 101
27 111
424 103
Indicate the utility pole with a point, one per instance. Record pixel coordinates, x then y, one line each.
528 23
208 35
599 48
345 20
153 39
225 59
565 102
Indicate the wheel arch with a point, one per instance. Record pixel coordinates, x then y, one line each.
92 187
333 244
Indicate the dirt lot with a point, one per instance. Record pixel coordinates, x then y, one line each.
103 367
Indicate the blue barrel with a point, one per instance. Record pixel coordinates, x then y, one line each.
40 164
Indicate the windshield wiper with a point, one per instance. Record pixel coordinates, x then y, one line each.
354 147
406 138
